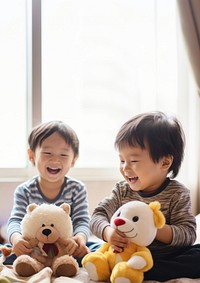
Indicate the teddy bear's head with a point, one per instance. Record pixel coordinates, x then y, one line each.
47 222
138 221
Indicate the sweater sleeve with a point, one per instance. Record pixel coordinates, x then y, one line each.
106 208
79 210
18 211
182 220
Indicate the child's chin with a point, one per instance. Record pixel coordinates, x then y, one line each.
134 187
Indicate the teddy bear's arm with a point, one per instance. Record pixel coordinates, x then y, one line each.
141 259
66 242
38 255
68 246
33 242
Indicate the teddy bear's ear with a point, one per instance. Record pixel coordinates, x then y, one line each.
65 207
158 216
31 207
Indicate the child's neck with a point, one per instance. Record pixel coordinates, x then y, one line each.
50 190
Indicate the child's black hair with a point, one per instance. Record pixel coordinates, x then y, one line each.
162 135
44 130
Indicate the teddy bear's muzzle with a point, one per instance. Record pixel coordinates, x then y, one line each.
46 232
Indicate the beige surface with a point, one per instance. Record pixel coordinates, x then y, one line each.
45 276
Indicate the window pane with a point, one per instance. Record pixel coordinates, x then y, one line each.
103 62
13 83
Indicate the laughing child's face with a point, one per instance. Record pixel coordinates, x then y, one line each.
140 171
53 159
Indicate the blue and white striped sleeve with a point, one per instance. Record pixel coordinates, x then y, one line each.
18 211
79 210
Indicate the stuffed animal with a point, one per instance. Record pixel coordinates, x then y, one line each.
5 251
49 230
3 279
139 222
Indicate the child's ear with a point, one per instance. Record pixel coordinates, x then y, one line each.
74 161
167 161
31 155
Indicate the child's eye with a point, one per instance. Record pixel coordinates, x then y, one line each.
64 155
46 152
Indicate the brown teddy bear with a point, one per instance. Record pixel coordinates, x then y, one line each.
49 230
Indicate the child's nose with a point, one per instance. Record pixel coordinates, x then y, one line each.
55 158
126 166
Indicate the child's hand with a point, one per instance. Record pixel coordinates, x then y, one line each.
116 239
20 245
82 249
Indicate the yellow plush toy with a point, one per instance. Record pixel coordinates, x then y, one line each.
139 222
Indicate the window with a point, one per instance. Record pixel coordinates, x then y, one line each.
13 92
95 65
104 61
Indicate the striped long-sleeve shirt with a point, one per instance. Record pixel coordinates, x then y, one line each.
175 205
72 192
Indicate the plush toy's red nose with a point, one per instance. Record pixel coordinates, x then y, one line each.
119 221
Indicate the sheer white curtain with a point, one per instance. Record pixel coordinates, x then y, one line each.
189 12
189 15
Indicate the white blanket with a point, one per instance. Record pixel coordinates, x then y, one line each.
45 276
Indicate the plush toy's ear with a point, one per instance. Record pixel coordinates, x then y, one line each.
31 207
65 207
158 216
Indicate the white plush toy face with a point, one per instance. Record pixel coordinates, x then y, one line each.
47 222
135 220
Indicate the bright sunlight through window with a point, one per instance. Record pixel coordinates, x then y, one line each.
13 94
102 62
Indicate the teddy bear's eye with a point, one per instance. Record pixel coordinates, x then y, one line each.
43 225
118 214
135 218
52 225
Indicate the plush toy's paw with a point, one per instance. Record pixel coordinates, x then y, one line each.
25 269
65 266
4 279
97 266
6 251
25 266
123 274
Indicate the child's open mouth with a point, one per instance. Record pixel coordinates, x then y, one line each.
53 170
133 179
